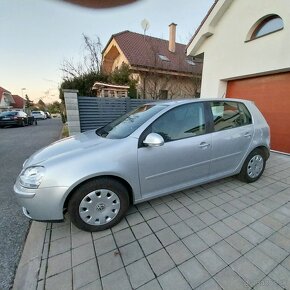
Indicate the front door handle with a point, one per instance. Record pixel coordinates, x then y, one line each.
248 134
203 145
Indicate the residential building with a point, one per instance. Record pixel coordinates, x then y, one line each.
160 67
6 100
244 45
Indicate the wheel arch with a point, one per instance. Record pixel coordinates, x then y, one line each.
121 180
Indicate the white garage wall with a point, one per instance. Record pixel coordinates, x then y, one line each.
227 55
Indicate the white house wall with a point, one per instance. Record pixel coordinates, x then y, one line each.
227 55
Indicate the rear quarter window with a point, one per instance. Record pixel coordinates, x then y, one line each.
228 115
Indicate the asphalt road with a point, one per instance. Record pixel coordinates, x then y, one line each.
16 145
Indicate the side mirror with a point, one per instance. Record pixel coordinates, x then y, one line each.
153 140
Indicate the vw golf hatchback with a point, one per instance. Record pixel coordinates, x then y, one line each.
157 149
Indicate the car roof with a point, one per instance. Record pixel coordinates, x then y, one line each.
187 101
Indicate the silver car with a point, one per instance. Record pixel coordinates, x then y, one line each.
157 149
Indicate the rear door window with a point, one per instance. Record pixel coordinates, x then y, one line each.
228 115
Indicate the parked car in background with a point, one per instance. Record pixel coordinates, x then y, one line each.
39 115
15 118
48 116
157 149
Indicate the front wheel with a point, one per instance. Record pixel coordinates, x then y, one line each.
253 166
98 204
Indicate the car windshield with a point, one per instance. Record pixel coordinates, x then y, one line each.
8 114
128 123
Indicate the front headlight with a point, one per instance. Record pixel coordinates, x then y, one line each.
31 177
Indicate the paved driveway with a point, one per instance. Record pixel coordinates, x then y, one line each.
224 235
17 144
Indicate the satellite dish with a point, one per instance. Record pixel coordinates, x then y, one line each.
145 25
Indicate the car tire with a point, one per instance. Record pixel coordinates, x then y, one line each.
253 166
98 204
22 123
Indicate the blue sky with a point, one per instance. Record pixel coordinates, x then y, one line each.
36 35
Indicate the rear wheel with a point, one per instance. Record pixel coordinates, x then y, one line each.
98 204
253 166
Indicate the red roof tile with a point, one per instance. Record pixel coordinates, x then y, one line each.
19 102
142 51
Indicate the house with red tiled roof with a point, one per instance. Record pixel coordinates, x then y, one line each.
19 102
160 67
6 100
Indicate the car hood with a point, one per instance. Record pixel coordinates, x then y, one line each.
68 146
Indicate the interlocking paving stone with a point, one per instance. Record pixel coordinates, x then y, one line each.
194 272
139 273
173 280
195 244
134 219
281 276
109 263
149 213
96 285
252 236
160 262
239 243
222 229
150 244
261 260
281 241
167 236
226 252
171 218
157 224
182 230
120 226
101 234
273 251
60 281
58 264
178 252
85 273
211 284
104 244
152 285
124 237
195 223
80 238
141 230
183 213
211 261
131 253
267 284
82 254
248 271
60 232
116 281
230 280
209 236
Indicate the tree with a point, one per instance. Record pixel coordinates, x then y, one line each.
55 107
122 76
90 63
28 102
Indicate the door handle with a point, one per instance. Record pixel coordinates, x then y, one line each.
203 145
248 134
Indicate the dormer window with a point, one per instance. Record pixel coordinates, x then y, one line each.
163 57
267 25
190 61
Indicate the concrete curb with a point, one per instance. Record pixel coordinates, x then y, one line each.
29 265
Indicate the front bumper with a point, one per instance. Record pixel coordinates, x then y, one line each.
42 204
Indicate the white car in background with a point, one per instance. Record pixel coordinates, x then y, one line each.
39 115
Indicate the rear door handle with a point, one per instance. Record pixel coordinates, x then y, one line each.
203 145
248 134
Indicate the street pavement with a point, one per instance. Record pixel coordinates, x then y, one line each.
223 235
16 145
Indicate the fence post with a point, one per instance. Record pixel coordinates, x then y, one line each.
72 111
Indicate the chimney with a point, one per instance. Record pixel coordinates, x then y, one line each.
172 36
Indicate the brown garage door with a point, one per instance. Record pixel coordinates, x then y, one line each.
271 94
